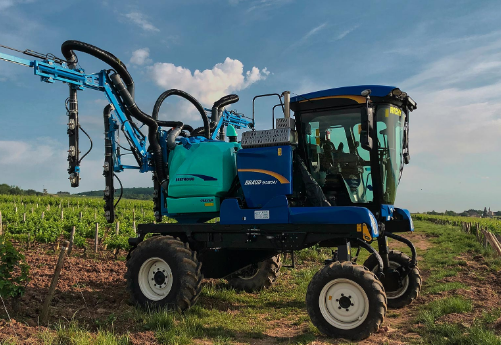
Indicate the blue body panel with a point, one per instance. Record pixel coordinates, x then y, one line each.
406 215
264 173
277 211
376 90
387 212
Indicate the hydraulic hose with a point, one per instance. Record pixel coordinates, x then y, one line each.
171 138
189 98
68 47
147 120
219 104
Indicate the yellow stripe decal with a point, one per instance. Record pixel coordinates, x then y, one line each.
279 177
358 99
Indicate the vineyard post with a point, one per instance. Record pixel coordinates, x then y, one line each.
494 243
37 205
44 316
134 226
117 231
72 239
96 238
62 214
81 215
43 215
24 217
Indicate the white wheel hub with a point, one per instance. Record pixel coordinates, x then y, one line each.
343 303
405 283
155 279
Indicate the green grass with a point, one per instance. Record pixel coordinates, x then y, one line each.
442 260
444 306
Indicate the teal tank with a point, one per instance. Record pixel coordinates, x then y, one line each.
199 176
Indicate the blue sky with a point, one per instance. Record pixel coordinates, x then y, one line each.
445 54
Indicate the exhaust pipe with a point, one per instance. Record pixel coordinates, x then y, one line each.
287 104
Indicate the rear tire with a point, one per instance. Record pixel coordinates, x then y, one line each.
163 272
411 284
345 300
257 277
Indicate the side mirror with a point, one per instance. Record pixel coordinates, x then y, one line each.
367 126
406 154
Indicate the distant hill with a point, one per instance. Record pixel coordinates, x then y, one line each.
15 190
129 193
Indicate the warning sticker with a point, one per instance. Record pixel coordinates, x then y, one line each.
262 214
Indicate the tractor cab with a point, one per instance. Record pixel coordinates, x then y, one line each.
354 142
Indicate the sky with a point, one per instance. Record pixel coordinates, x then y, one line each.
445 54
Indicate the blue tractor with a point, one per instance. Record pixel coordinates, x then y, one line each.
325 176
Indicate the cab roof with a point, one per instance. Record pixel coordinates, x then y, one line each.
352 94
376 90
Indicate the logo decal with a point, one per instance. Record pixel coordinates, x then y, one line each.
279 177
203 177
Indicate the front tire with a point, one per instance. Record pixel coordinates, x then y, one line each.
345 300
257 277
411 284
163 272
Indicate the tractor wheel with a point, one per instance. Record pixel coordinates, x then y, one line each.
163 272
411 285
256 277
345 300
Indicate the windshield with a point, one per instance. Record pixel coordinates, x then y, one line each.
390 123
337 162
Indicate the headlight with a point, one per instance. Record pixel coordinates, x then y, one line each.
374 224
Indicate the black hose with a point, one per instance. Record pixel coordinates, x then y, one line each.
408 243
186 96
68 47
171 138
91 145
148 121
371 250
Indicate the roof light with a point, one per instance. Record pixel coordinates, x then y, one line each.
396 92
366 92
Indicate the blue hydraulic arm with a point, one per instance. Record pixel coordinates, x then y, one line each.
51 71
233 118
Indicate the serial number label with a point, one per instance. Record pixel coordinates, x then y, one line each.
259 182
262 214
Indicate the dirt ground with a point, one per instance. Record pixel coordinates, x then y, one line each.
92 291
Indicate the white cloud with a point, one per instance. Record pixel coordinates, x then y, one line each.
265 5
140 56
345 33
208 85
305 37
4 4
459 108
142 21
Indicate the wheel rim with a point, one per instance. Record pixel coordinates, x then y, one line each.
155 279
249 272
343 303
405 283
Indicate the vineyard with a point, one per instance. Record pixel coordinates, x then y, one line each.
49 219
491 224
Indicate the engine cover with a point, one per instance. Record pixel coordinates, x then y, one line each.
265 173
